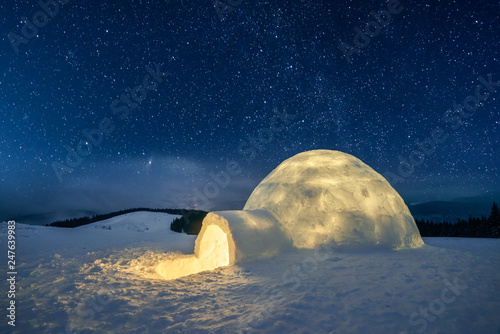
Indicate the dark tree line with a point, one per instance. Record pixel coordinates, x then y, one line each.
75 222
484 227
189 223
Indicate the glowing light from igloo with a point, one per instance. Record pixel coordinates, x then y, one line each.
211 252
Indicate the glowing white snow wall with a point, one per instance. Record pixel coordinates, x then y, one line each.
325 196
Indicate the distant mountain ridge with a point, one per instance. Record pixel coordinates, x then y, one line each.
48 217
450 211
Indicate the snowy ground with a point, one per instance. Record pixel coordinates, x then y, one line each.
101 278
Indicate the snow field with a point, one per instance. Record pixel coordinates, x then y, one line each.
96 280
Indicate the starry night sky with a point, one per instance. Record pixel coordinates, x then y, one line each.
250 82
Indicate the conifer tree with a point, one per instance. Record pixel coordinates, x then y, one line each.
494 222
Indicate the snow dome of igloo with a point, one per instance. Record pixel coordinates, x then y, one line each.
326 196
313 198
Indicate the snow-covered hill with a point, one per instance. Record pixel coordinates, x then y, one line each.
136 222
101 278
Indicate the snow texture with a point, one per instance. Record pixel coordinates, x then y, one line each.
94 279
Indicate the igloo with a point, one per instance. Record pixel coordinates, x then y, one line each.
311 199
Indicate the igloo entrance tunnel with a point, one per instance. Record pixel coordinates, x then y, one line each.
313 198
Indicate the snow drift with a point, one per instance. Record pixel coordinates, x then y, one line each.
313 198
